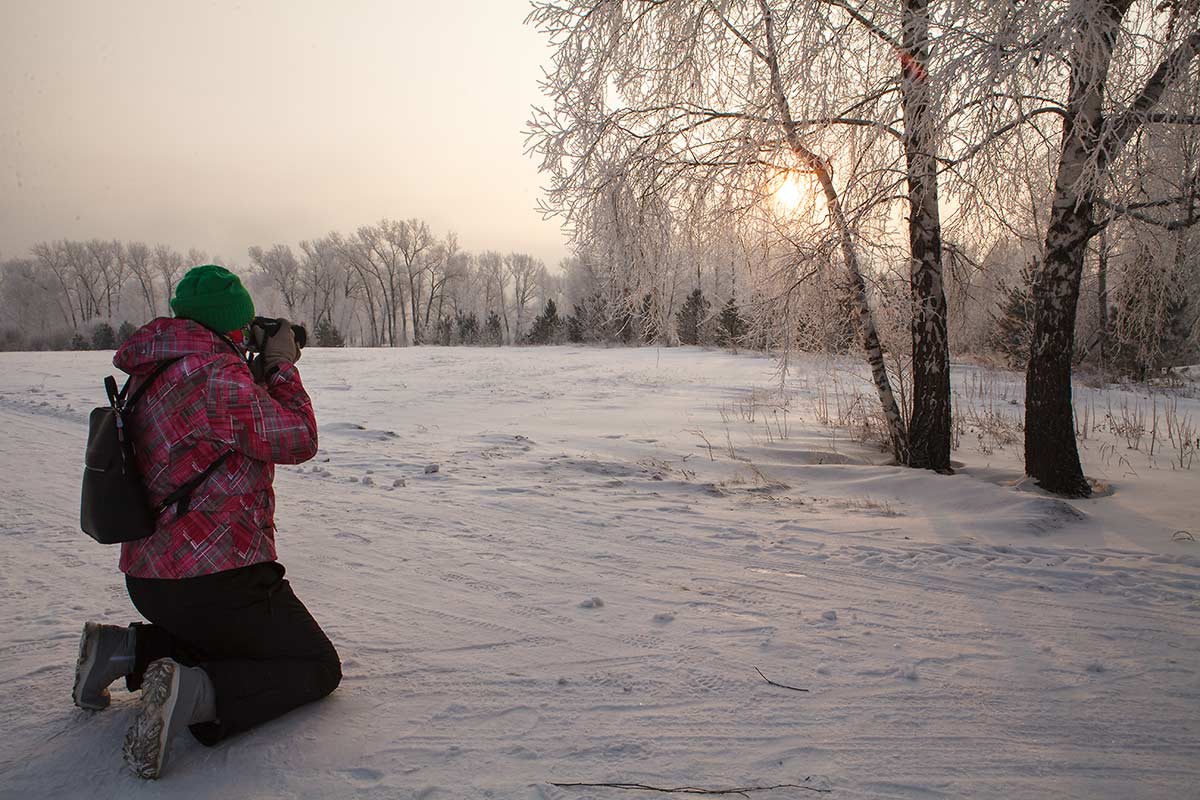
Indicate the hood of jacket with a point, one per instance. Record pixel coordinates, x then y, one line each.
166 338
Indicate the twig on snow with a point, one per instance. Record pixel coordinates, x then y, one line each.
744 791
780 685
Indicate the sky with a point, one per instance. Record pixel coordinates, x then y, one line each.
221 125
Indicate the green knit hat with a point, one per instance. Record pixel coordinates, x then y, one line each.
215 297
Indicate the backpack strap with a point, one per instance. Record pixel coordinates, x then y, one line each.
240 352
141 390
181 498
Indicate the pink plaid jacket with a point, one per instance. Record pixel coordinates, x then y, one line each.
204 405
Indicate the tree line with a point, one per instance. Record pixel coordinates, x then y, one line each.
393 283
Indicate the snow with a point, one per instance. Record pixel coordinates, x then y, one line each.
583 589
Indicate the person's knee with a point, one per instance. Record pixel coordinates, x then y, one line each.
330 672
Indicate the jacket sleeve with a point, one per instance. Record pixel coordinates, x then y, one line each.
273 423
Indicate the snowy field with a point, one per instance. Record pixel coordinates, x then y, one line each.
614 542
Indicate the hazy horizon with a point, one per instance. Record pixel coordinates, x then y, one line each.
234 124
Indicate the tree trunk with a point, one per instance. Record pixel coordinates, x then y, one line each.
414 302
929 428
148 294
872 347
1051 453
1102 296
897 430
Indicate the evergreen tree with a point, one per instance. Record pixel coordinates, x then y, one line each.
468 327
691 317
126 330
79 342
548 327
575 327
493 333
328 335
1014 326
103 337
587 322
731 327
445 331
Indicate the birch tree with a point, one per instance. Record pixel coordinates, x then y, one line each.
495 281
282 267
322 276
140 260
52 258
413 240
168 264
524 271
1123 60
687 95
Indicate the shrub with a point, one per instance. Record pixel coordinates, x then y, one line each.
126 330
328 335
103 337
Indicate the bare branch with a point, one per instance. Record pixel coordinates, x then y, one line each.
1121 127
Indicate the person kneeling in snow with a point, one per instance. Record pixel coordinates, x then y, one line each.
228 644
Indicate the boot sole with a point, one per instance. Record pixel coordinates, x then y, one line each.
89 643
145 748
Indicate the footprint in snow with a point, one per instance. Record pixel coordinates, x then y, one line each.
363 774
664 617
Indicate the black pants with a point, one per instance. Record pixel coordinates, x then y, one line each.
263 651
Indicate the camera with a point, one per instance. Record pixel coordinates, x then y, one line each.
269 328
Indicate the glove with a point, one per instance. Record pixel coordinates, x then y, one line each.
278 348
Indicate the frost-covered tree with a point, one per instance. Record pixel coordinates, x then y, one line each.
700 106
169 267
140 260
280 265
322 276
1111 69
524 272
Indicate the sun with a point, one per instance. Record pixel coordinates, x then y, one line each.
787 193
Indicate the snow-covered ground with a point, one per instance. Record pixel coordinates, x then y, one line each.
614 542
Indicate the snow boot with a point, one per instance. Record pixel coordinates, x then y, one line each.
106 653
173 697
